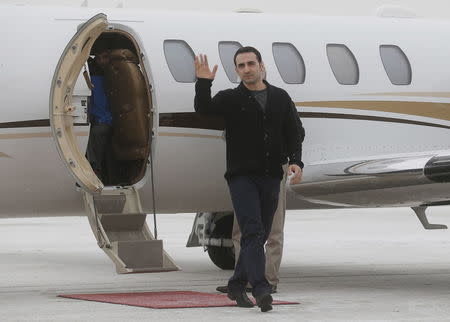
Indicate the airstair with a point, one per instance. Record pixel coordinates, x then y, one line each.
120 227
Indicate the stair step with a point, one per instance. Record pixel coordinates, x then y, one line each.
109 203
140 254
122 222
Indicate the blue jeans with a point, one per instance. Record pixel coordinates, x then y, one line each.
255 199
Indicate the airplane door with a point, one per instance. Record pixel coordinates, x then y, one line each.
62 110
115 214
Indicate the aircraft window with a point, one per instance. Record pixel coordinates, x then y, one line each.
180 59
396 64
227 49
343 63
289 62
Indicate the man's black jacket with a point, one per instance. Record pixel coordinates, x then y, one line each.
258 142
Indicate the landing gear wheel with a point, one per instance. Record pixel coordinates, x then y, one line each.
222 257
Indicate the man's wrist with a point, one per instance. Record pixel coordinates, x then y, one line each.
296 162
204 80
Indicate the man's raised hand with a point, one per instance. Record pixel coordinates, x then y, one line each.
202 68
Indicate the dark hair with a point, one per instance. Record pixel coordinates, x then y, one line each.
101 45
248 49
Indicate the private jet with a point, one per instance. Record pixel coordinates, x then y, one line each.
372 91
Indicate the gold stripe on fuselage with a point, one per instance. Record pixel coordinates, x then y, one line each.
190 135
410 94
434 110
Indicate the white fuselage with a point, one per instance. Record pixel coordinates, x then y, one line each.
190 162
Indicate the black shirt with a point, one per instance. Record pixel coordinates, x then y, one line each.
261 98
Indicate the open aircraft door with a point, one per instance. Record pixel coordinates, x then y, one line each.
114 212
62 111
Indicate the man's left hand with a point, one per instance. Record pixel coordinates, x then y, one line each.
297 171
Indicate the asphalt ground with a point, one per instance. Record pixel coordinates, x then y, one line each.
341 265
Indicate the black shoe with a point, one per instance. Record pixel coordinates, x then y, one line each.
222 289
241 298
273 288
264 302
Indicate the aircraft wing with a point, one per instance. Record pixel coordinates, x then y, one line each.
419 179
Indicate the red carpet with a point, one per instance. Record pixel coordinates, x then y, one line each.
162 300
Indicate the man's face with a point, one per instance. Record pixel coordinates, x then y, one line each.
248 68
102 58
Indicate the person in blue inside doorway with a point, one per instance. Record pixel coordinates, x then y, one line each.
99 112
262 132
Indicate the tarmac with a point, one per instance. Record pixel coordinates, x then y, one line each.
341 265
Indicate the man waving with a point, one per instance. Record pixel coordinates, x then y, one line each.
263 131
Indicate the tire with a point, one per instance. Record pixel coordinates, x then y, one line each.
222 257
